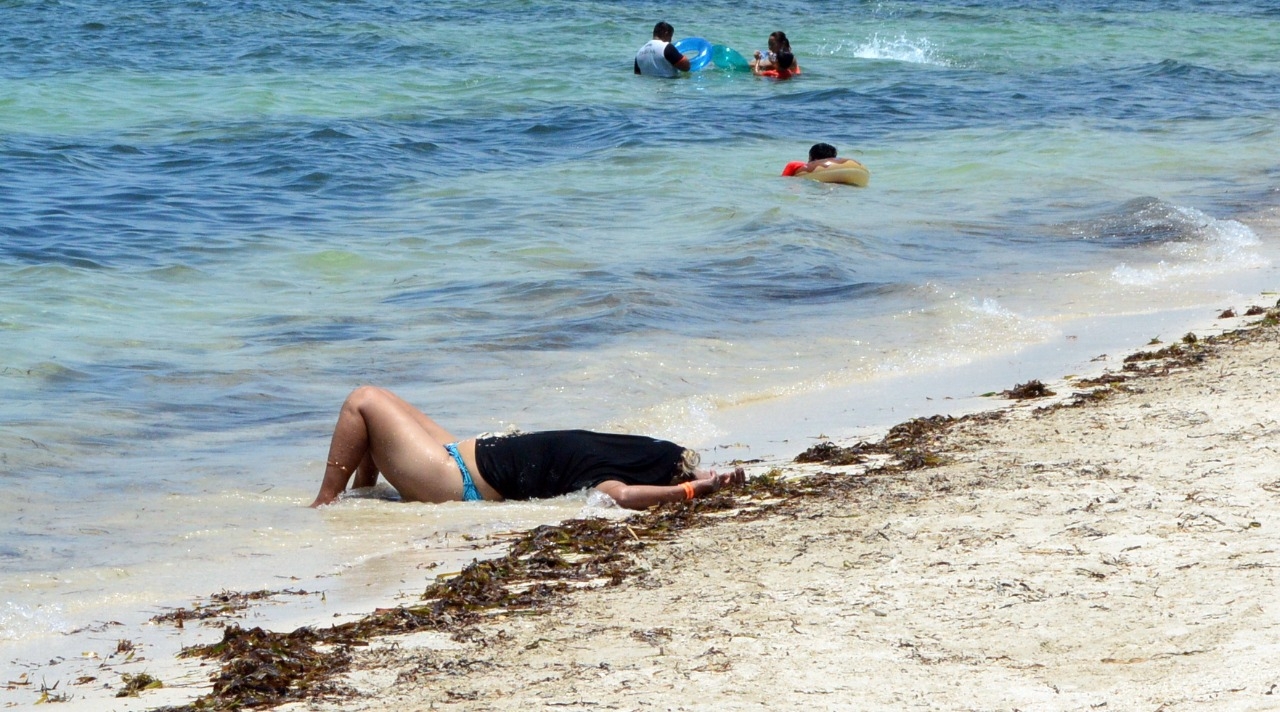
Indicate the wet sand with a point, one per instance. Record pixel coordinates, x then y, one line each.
1115 552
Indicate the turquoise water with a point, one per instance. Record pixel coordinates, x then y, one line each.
216 219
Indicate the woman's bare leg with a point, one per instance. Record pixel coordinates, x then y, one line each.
377 431
366 473
433 428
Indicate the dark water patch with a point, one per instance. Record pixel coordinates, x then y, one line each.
45 255
310 182
789 291
328 133
1141 221
274 50
421 147
141 404
292 330
56 374
1248 203
744 281
782 273
580 309
1173 68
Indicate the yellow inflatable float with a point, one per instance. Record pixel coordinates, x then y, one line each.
847 171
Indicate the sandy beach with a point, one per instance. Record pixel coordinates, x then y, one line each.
1113 546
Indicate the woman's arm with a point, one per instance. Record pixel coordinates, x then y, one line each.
645 496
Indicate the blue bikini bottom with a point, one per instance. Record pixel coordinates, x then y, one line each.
469 491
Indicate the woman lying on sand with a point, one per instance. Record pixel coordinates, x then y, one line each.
379 433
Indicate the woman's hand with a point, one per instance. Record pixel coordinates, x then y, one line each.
709 481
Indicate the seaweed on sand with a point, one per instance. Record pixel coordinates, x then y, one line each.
828 453
912 445
220 605
259 668
133 684
1030 389
1191 351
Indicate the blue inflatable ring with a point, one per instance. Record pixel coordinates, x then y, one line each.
697 50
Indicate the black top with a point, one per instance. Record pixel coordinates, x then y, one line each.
556 462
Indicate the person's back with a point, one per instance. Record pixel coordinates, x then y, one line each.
658 57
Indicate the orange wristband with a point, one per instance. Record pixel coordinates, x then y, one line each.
688 490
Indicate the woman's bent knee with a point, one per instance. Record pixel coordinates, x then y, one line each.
364 395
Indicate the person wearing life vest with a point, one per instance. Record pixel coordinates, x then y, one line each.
778 42
782 67
658 57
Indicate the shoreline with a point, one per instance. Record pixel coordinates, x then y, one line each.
1084 347
413 670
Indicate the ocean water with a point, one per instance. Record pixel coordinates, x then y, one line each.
218 218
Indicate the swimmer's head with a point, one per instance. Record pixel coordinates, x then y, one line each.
785 61
663 31
820 151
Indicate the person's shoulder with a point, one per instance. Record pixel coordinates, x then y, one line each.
833 161
791 168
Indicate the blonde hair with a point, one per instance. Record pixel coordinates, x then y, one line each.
689 460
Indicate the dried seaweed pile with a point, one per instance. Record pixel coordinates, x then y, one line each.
220 605
913 445
259 668
1030 389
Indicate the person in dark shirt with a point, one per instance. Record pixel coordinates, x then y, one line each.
658 57
379 433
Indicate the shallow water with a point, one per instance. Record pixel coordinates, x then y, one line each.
219 219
